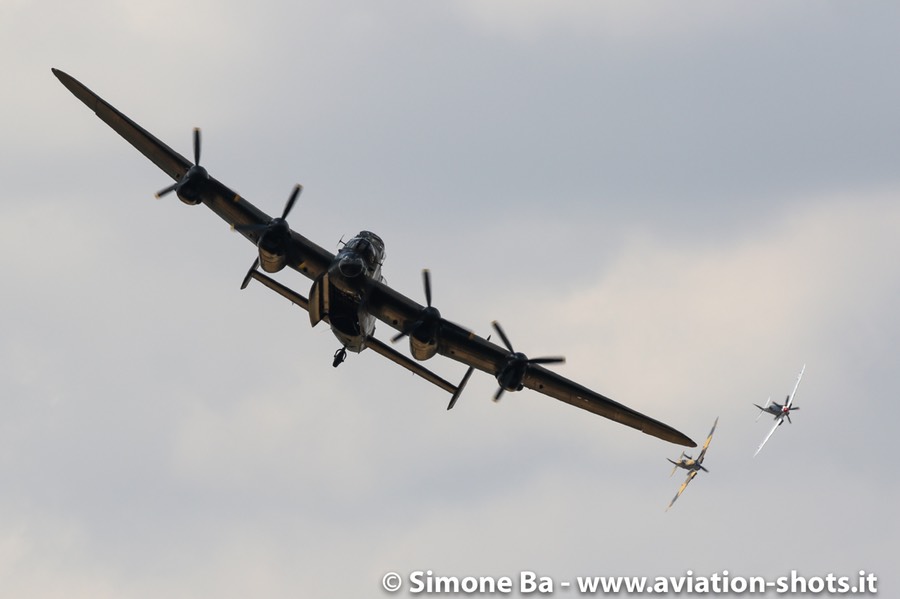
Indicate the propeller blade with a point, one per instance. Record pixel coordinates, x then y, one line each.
500 332
552 360
498 394
175 185
426 281
250 273
167 190
197 145
403 334
290 203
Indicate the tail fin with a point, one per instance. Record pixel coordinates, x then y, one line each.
762 410
460 387
676 464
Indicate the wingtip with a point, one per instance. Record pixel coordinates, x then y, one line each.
680 438
667 433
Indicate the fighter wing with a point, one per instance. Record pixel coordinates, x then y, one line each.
302 254
797 384
462 345
706 444
778 422
684 485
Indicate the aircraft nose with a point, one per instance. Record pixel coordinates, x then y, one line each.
351 266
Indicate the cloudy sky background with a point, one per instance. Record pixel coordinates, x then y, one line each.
688 204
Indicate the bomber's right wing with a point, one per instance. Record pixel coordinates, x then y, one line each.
457 343
684 485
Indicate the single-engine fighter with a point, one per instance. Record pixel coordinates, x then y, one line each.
693 466
779 411
348 291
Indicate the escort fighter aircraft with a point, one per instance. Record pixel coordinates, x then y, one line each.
348 292
693 466
779 411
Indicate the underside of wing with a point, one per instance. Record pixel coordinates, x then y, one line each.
766 440
466 347
684 485
549 383
708 439
797 384
170 161
249 220
454 341
391 307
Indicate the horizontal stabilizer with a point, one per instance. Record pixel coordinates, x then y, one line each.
460 387
277 287
410 364
318 300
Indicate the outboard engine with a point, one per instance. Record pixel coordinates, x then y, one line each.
189 188
511 376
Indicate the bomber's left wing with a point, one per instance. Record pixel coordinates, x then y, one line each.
684 485
462 345
301 253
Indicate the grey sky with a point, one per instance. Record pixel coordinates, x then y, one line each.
687 204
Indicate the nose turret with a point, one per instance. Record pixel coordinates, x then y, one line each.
351 266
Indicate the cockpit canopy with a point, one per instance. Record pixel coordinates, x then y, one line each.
369 247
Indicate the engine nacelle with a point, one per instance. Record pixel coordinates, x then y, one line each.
511 376
273 244
422 349
425 333
271 262
189 188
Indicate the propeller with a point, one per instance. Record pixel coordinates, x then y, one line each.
195 171
513 372
429 317
288 206
274 235
787 412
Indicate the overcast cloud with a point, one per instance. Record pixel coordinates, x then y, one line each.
688 202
